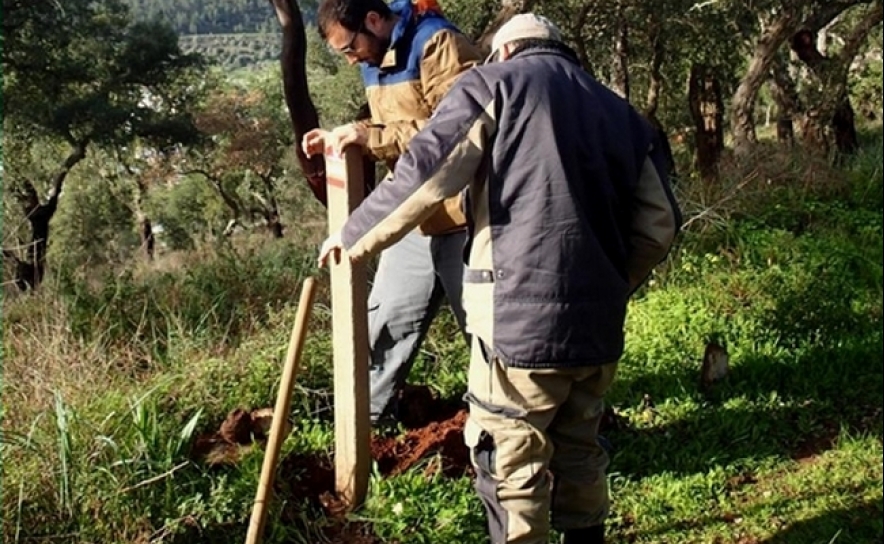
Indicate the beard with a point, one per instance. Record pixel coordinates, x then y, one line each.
375 49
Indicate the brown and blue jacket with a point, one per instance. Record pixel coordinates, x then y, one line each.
427 54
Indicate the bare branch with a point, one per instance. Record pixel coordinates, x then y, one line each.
205 173
859 33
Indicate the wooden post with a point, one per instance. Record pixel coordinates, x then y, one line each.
346 189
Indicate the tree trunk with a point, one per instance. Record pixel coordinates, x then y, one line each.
707 111
145 226
743 103
830 116
274 224
576 32
655 77
23 272
620 60
31 270
655 84
270 206
785 95
832 111
302 111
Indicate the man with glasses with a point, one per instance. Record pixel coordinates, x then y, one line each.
409 55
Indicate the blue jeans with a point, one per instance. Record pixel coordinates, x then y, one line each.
412 279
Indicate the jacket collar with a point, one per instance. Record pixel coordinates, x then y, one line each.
541 50
404 10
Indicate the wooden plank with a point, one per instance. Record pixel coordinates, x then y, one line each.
349 293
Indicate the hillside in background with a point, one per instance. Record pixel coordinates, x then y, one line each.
214 16
233 51
233 33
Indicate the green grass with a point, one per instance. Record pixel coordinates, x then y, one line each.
106 382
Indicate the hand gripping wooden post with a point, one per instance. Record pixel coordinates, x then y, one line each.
346 189
281 413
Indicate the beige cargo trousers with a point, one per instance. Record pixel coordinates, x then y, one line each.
532 435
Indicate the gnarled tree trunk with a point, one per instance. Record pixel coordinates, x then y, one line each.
30 271
832 113
707 111
743 102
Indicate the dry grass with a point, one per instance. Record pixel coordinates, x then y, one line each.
748 184
42 357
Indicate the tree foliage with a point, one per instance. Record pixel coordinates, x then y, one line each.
94 84
80 75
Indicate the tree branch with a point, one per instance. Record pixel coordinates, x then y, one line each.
216 183
205 173
828 12
76 155
8 254
859 33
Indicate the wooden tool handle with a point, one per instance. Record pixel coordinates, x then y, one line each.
280 413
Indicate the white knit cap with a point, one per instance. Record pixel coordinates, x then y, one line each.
523 27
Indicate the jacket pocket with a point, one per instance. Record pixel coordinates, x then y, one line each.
448 218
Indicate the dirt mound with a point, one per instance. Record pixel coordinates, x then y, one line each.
433 429
236 435
397 454
435 426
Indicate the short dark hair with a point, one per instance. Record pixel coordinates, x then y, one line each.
350 14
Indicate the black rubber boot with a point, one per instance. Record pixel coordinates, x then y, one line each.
586 535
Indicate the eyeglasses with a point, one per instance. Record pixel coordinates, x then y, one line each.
348 48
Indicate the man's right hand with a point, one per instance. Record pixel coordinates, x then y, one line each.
313 143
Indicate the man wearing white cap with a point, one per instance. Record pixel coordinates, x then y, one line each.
569 209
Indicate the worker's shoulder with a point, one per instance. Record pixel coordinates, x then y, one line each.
439 31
